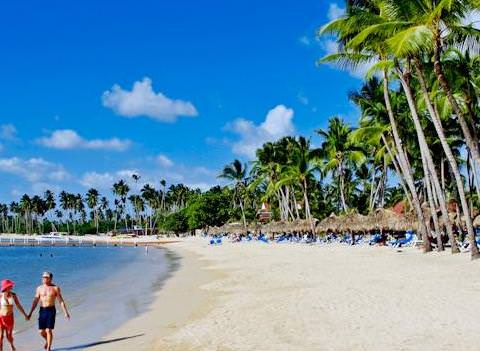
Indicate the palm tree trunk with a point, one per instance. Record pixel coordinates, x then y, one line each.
426 156
442 171
451 160
475 178
431 203
399 172
307 207
243 214
384 184
296 205
372 186
407 171
342 188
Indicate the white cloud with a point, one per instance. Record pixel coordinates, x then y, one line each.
164 161
34 170
142 100
335 11
8 132
303 99
277 124
97 180
65 139
41 187
305 40
194 177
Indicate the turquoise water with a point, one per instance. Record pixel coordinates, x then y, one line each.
104 286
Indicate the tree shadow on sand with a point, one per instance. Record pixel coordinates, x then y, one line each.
97 343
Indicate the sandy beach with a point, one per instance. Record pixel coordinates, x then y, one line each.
299 297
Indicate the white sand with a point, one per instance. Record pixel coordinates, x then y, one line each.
298 297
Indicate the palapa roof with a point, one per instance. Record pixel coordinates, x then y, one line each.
388 220
330 223
380 219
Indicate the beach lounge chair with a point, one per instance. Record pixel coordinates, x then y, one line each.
281 239
375 240
408 240
263 239
216 241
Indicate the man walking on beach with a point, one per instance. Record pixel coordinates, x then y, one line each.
47 294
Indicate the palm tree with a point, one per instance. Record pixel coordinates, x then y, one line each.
163 183
150 196
135 178
26 208
429 26
237 173
92 203
121 190
50 204
359 16
338 153
301 171
65 205
403 44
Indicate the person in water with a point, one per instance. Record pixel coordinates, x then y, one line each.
47 294
8 299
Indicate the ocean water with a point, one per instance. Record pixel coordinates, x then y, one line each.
103 287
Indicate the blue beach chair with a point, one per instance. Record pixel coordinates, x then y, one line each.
375 240
408 240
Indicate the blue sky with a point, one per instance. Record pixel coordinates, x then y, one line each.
95 90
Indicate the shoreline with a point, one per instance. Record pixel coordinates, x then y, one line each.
105 303
179 300
300 297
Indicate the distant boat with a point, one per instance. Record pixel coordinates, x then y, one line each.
55 236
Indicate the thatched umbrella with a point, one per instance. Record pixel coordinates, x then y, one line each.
237 228
354 222
389 220
300 225
330 223
214 230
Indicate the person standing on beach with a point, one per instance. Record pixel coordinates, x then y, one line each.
47 294
8 299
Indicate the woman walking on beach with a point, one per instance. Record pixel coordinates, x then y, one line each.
7 301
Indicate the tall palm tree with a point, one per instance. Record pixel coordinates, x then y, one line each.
359 16
92 203
50 204
163 183
301 171
338 153
407 39
26 208
65 204
121 189
237 173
